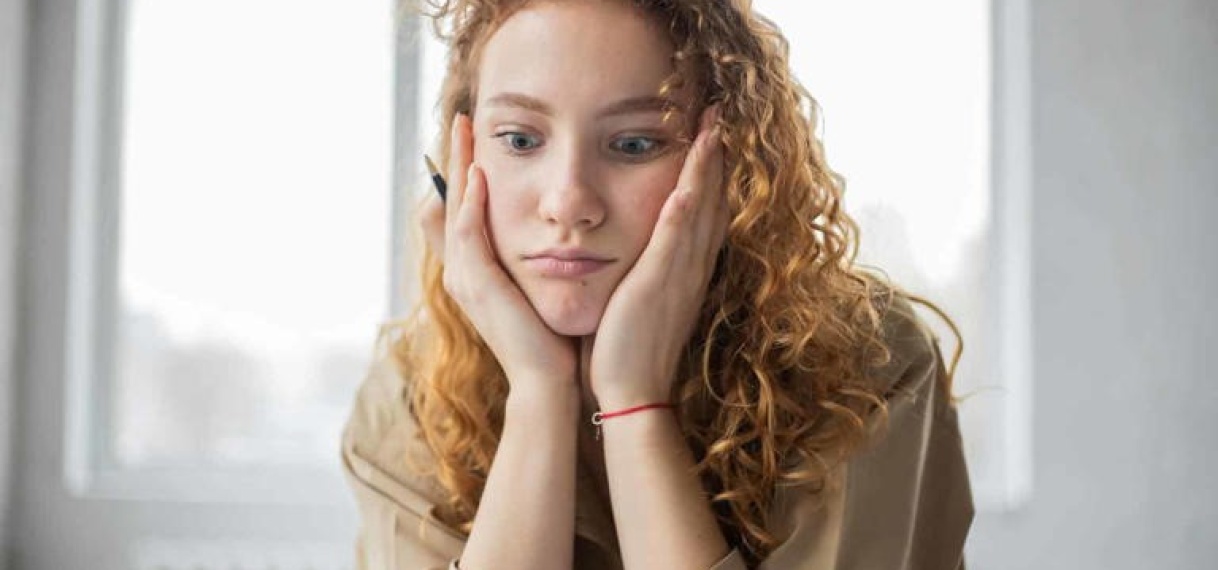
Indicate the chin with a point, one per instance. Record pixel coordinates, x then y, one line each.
579 323
571 316
569 308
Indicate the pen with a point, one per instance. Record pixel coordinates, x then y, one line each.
441 186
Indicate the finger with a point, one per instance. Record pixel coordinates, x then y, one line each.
473 217
661 250
460 155
694 171
723 220
699 172
684 206
717 219
464 236
706 185
709 187
479 273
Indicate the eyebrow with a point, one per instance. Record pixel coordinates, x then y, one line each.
647 104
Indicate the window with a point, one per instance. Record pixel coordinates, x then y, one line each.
254 228
225 261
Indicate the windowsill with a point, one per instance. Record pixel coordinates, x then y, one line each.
251 486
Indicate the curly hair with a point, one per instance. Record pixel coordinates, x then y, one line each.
779 383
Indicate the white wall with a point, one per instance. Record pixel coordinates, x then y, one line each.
12 87
1125 179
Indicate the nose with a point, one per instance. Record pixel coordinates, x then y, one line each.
570 198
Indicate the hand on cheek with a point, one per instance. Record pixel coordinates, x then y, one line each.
650 315
533 357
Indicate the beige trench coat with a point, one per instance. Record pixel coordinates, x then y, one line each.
903 504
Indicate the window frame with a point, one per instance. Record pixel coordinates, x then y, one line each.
1011 215
13 40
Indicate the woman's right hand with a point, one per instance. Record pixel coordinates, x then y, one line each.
532 355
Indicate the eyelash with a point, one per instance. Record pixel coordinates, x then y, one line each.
657 145
504 139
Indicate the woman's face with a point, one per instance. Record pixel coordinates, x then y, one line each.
577 156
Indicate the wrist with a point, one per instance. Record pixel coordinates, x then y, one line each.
542 398
646 421
610 415
621 401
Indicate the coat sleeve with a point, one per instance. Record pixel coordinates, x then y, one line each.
398 528
904 502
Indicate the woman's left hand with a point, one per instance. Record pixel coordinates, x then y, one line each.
650 316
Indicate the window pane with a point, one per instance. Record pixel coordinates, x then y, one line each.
254 238
905 95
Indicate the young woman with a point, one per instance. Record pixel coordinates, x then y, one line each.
641 230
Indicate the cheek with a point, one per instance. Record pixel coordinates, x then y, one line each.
646 211
506 208
643 209
501 195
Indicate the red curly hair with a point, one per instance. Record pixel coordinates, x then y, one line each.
779 383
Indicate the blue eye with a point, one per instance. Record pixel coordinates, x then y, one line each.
635 146
518 142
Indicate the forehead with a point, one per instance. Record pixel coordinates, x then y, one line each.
576 53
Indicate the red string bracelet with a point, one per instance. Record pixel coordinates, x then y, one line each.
599 418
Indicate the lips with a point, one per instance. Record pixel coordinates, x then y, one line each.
567 263
565 268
